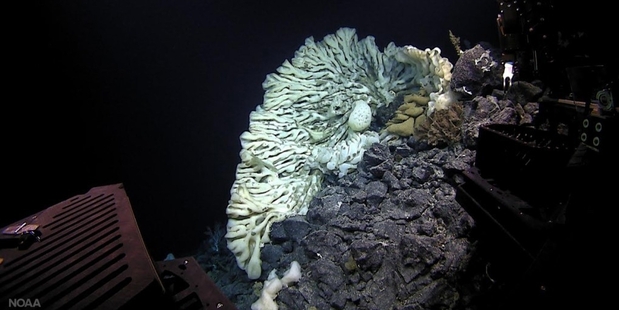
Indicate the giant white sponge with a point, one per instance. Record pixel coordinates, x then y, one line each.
313 121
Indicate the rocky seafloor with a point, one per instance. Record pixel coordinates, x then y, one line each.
391 236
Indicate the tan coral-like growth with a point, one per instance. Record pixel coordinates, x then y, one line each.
409 115
443 126
420 98
403 129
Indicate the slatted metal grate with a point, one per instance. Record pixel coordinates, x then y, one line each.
90 256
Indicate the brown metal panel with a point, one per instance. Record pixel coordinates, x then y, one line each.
190 287
90 256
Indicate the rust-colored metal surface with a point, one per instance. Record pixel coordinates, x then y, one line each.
89 255
190 287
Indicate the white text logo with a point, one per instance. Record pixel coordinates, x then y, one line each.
22 303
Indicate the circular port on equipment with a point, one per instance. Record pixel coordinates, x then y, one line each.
596 141
583 137
598 127
585 123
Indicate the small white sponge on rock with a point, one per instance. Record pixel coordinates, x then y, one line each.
273 285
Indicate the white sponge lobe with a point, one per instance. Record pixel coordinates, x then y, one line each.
360 117
292 275
273 285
